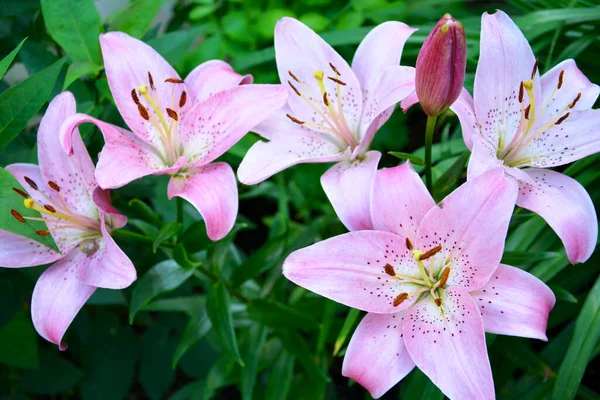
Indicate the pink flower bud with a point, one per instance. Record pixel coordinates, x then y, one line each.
441 66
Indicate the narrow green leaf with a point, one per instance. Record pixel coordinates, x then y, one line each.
218 306
281 376
136 19
77 70
295 344
6 61
279 315
328 318
563 294
449 179
251 351
166 232
195 330
418 386
349 323
145 211
75 26
174 45
20 103
56 375
407 156
181 256
527 257
18 343
585 337
161 278
261 260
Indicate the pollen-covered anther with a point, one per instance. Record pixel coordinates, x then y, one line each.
174 80
17 216
444 277
560 79
182 99
48 207
296 120
575 101
389 270
294 88
21 193
535 68
400 299
42 233
325 99
430 253
527 111
336 80
521 92
151 81
561 119
438 301
54 186
334 69
135 97
294 77
172 114
409 245
143 112
31 183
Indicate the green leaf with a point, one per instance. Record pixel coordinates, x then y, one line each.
77 70
161 278
585 337
156 375
166 232
279 315
407 156
20 103
280 379
201 11
418 387
563 294
235 26
261 260
6 61
251 351
18 343
9 200
136 19
527 257
195 330
295 344
180 255
145 211
75 26
349 323
174 45
55 375
218 306
449 180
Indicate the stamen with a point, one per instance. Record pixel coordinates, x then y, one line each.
294 76
31 183
182 99
535 68
575 101
389 270
143 112
29 203
400 299
527 111
296 120
54 186
561 119
409 245
334 69
430 253
560 78
17 216
444 278
172 114
49 208
42 233
294 88
21 193
521 92
135 97
325 99
151 81
336 80
438 301
174 80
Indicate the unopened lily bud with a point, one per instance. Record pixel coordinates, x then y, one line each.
441 64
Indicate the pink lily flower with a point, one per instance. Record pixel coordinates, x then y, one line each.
333 112
79 217
179 126
430 279
518 120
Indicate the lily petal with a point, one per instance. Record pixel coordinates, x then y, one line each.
450 347
210 128
212 189
102 200
376 356
350 269
211 77
471 226
18 251
108 267
464 109
58 296
483 157
348 186
566 207
399 201
515 303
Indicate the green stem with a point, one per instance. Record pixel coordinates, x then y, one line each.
428 143
179 210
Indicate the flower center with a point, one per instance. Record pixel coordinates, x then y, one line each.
57 212
429 282
335 125
525 134
166 122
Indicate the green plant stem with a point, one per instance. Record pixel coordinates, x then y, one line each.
179 210
428 143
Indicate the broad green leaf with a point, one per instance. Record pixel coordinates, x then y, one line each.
251 351
145 211
563 294
349 323
180 255
527 257
166 232
296 344
585 337
280 379
56 375
6 61
15 293
18 343
191 391
191 305
195 330
449 180
77 70
9 200
260 260
218 306
174 45
201 11
407 156
20 103
136 19
161 278
75 26
279 315
156 375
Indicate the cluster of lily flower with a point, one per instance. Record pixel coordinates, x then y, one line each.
429 275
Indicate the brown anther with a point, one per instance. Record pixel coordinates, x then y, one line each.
54 186
172 114
21 193
560 78
535 68
444 278
325 100
296 120
182 99
17 216
151 81
575 101
143 112
48 207
31 183
389 270
294 88
400 299
521 92
174 80
334 69
430 253
294 76
438 302
135 97
527 111
336 80
409 245
561 119
42 233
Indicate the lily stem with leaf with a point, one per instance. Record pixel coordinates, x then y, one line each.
428 144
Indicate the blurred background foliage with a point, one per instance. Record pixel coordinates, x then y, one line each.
200 310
